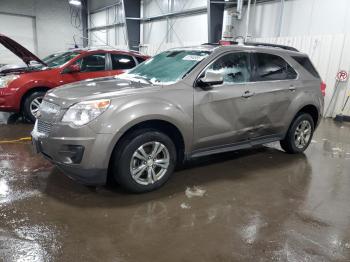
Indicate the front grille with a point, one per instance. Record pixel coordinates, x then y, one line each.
48 111
44 127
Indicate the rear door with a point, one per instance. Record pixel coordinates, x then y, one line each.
274 86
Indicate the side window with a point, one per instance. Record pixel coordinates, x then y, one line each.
271 67
305 62
140 59
234 67
92 63
120 62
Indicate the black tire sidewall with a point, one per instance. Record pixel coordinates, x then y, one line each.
121 170
26 108
291 133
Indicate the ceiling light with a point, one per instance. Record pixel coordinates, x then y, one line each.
75 2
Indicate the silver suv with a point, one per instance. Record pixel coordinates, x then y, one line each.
181 104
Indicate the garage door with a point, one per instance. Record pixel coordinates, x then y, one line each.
21 29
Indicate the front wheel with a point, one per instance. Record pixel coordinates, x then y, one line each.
31 105
144 160
299 134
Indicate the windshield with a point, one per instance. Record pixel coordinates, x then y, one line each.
52 56
168 67
60 59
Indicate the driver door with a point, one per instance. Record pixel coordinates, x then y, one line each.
224 115
91 66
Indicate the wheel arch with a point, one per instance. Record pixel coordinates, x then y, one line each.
311 110
31 91
163 126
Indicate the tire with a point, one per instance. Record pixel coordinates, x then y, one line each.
128 157
31 103
292 143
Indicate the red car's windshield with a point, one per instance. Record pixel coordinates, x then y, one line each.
61 59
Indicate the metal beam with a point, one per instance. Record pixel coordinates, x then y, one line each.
132 9
105 7
188 12
215 20
103 27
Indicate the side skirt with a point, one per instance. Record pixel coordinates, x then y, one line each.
235 146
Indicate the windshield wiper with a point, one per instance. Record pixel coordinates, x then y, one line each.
143 78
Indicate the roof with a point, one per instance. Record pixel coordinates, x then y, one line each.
105 49
245 46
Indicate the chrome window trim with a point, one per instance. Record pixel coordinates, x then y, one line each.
250 82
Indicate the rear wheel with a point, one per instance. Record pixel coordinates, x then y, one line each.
31 105
299 134
144 160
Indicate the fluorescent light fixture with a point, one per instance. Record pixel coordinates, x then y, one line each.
75 2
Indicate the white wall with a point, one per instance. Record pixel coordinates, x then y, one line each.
159 35
24 33
115 36
301 17
54 31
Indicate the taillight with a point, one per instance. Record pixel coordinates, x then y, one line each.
323 88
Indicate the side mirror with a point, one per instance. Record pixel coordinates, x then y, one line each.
72 69
206 82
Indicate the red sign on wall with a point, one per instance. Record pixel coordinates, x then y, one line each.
342 76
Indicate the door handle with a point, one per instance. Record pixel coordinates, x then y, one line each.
292 88
247 94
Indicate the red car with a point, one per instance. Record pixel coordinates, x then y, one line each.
22 90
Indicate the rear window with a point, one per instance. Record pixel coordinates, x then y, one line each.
307 65
122 62
272 67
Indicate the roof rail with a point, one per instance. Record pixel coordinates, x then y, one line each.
271 45
223 42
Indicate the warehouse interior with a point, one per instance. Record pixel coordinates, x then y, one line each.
255 203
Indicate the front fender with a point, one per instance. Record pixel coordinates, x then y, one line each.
123 117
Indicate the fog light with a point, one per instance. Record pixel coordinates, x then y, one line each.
72 154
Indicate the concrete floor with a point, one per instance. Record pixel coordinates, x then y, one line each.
250 205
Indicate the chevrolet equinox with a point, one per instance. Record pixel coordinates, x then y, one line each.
180 104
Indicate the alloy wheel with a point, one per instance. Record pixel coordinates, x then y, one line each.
149 163
302 134
34 105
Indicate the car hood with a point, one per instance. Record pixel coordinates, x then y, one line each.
106 87
19 50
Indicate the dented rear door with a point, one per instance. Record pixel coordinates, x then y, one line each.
274 85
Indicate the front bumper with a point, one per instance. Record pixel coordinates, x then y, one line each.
9 101
78 152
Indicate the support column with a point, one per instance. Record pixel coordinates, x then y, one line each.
132 11
84 19
215 20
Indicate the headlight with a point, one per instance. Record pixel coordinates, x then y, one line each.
6 80
84 112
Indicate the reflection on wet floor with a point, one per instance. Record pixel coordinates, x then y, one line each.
250 205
